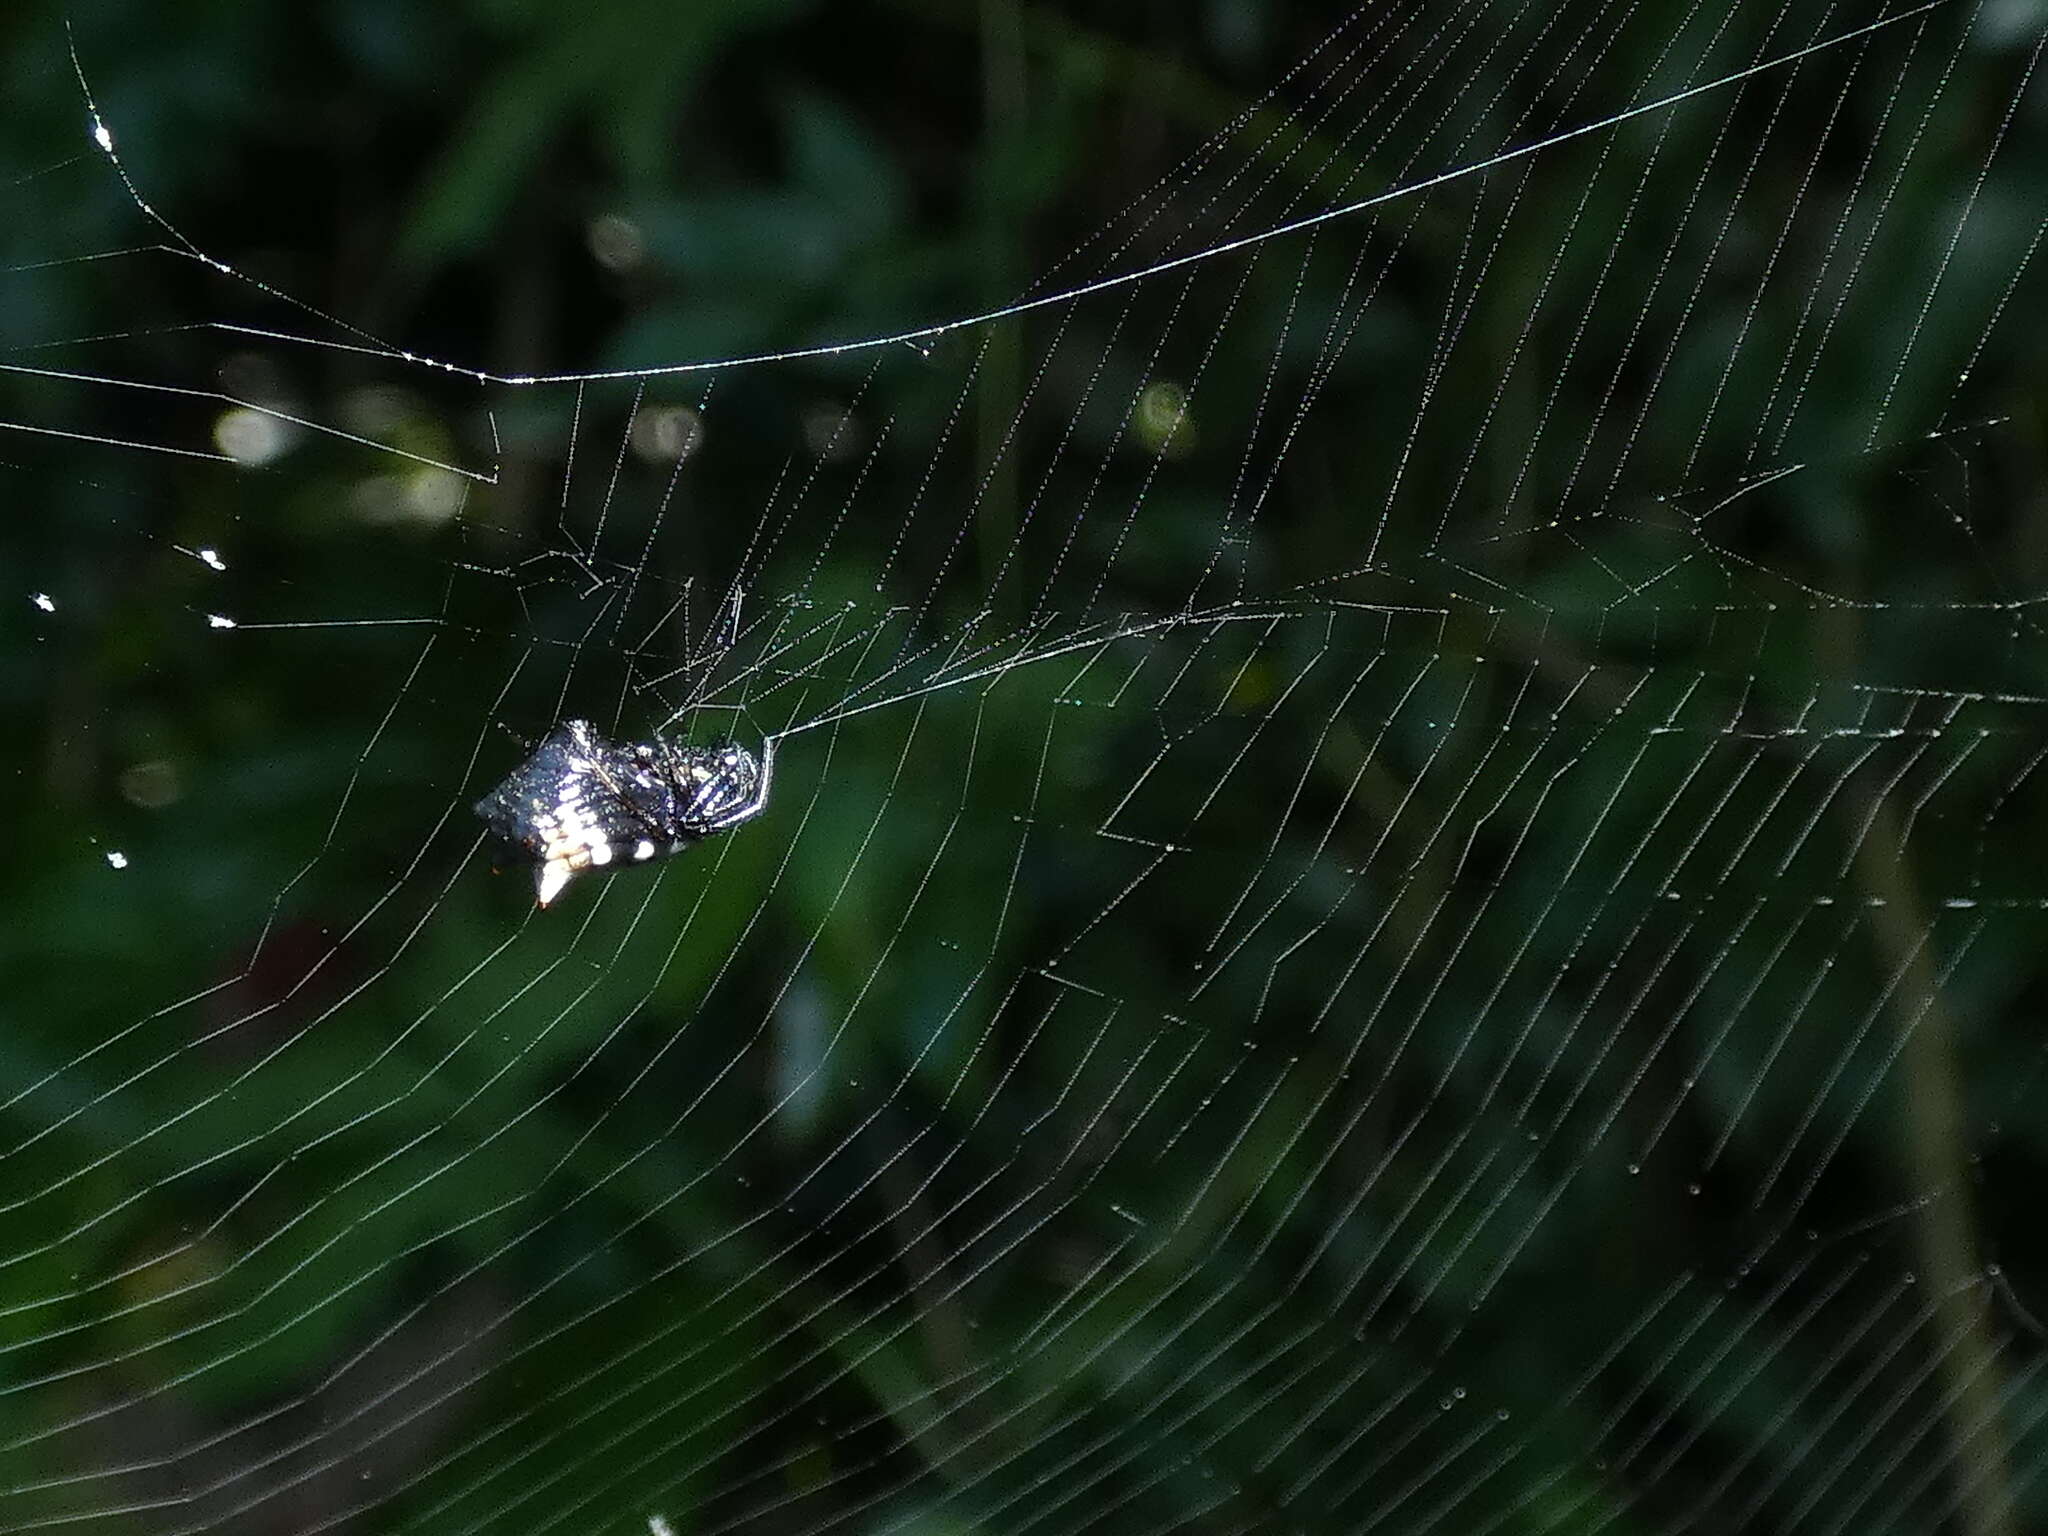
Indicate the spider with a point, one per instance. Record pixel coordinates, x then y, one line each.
580 802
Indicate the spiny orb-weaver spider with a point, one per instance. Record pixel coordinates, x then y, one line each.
580 802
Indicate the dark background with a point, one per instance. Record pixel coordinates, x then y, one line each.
1483 977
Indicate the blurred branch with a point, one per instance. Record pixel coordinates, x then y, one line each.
1934 1163
1000 391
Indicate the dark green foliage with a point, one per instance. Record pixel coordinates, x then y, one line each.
1437 925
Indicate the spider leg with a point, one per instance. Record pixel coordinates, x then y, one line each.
757 802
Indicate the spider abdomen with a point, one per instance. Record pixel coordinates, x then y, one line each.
582 803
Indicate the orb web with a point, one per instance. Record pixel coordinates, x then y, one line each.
1401 889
